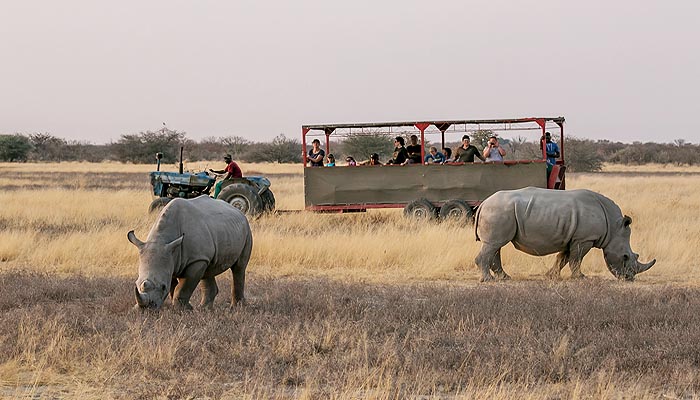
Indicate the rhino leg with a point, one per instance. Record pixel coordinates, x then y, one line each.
555 271
188 283
209 292
238 291
238 271
497 267
577 251
486 258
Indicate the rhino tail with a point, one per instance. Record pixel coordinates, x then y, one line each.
476 224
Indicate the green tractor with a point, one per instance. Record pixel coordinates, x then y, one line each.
250 194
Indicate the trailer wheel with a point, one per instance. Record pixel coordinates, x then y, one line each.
420 209
158 204
458 211
244 198
269 200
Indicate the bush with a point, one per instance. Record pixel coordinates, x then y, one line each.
582 155
14 147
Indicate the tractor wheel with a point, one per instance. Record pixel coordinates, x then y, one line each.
243 197
421 210
158 204
457 211
269 200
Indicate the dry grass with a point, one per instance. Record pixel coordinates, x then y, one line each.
343 306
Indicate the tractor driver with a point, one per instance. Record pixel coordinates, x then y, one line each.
232 170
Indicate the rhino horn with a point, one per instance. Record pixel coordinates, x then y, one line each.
139 300
641 267
133 239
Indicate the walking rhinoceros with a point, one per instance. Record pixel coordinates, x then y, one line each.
192 241
542 221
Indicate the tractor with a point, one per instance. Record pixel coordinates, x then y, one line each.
250 194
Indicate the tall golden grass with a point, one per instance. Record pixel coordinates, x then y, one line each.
58 228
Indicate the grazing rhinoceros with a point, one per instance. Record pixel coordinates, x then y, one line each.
543 221
192 241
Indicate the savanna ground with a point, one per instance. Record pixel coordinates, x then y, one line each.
341 306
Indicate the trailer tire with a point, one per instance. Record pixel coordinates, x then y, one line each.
269 200
158 204
244 198
458 211
420 210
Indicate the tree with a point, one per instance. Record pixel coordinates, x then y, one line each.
361 146
235 145
581 155
47 147
142 147
281 150
14 147
481 137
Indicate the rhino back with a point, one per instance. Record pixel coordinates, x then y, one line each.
215 232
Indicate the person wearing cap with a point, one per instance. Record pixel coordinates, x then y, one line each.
466 152
331 160
351 161
400 153
316 154
232 170
552 150
373 160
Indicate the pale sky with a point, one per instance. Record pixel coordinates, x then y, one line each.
93 70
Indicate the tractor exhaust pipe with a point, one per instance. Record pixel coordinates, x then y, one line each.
181 147
159 155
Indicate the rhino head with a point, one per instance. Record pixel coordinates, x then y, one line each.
156 266
619 257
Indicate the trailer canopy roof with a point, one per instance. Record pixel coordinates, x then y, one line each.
441 125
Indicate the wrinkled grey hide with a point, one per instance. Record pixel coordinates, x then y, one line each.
192 241
543 221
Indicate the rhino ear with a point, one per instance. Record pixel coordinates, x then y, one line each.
133 239
626 221
172 245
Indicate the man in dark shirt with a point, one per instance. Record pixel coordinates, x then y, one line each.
400 153
466 152
413 150
232 170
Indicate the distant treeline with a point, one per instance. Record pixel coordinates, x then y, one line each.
583 155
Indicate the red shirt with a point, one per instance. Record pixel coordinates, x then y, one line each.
233 169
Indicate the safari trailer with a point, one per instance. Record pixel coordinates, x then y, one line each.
450 191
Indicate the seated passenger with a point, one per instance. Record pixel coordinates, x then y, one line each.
351 161
434 156
413 150
330 160
373 160
400 153
493 151
466 152
448 154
